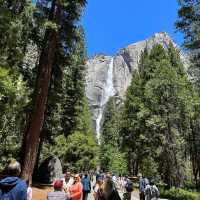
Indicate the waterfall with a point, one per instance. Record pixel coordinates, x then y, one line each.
98 123
108 92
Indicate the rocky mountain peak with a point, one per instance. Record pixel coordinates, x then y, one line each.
113 74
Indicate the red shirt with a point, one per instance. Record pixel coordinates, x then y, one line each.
76 191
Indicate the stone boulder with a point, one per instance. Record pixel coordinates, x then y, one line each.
49 170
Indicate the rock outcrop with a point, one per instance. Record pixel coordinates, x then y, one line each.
49 170
123 65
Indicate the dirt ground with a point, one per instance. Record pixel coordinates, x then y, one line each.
40 192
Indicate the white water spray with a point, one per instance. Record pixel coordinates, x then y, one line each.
108 92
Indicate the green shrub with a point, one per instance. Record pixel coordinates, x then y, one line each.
180 194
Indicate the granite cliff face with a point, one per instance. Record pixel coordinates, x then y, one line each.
110 76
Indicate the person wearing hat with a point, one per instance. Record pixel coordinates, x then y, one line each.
58 193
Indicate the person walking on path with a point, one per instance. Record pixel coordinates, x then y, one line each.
58 193
67 181
12 187
98 189
109 191
128 188
142 185
76 190
151 191
86 186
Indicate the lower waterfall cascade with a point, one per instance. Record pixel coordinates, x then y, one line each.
108 92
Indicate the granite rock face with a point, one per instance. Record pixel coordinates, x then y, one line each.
99 86
96 78
124 63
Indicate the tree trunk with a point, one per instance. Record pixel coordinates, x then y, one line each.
32 133
39 152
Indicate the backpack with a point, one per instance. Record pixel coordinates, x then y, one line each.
154 193
143 184
129 186
115 195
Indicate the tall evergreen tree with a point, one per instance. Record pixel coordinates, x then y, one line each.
66 95
74 86
110 155
13 98
134 131
110 127
15 28
188 23
156 113
60 28
15 31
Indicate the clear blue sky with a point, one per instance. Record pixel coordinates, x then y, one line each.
113 24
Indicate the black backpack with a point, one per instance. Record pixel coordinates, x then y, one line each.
129 186
154 193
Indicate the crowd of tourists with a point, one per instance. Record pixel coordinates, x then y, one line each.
72 186
78 186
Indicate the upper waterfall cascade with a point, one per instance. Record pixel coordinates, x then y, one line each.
108 92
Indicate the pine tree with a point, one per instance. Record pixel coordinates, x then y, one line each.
110 131
15 28
66 101
13 98
74 86
60 28
110 155
68 113
188 23
133 127
156 113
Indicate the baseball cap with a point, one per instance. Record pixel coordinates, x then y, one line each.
58 184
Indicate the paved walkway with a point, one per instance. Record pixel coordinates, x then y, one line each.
135 196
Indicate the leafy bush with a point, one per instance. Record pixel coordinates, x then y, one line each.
180 194
76 152
118 163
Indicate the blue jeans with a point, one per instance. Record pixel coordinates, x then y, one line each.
85 195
